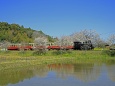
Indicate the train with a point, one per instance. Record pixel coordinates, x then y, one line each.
77 45
87 45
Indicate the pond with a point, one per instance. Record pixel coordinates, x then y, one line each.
79 74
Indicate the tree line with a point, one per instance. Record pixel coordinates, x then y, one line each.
15 33
82 36
85 35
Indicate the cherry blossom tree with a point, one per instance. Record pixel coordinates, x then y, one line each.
111 39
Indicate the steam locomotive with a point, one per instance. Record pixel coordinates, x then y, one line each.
87 45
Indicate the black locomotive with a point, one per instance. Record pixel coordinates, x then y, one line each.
87 45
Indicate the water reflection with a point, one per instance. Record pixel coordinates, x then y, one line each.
85 72
62 70
14 76
111 71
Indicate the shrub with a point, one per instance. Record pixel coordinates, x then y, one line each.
7 52
40 52
60 52
22 52
110 52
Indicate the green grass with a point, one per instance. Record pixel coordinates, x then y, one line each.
109 53
12 59
57 54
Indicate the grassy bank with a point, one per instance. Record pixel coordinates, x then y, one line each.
12 59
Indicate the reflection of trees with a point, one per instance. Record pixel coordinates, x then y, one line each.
86 71
40 71
111 71
14 75
62 70
82 71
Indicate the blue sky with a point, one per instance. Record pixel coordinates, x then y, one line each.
61 17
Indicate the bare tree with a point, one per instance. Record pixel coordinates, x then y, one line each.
65 41
41 41
111 39
85 35
40 45
4 45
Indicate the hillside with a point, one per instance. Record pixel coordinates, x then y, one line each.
15 33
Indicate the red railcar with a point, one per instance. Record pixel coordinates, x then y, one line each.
32 46
13 47
54 47
28 46
67 47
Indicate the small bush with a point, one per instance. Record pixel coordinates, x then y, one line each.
109 52
7 52
22 52
60 52
40 52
